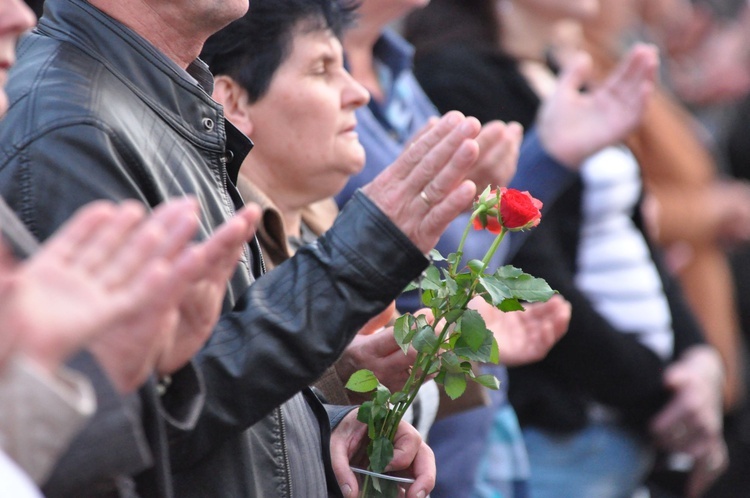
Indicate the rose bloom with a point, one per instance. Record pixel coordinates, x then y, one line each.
517 211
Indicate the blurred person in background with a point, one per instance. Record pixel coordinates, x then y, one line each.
381 61
588 406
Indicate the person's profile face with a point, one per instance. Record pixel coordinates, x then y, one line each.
15 18
304 125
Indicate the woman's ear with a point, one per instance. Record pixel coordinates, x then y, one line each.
233 97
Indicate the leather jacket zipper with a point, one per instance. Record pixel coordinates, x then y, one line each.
285 452
232 211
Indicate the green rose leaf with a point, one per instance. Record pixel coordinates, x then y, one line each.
381 454
414 285
495 352
482 355
455 384
425 340
382 395
440 377
507 271
473 330
453 315
450 363
528 288
403 331
496 288
508 305
362 381
431 279
364 414
488 380
436 256
451 287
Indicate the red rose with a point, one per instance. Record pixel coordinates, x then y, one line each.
488 221
519 210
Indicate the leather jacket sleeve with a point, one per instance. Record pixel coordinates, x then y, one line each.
294 322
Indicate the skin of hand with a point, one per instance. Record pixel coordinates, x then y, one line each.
692 420
526 336
380 320
410 454
437 164
731 199
380 353
203 273
153 335
573 124
707 469
87 277
499 144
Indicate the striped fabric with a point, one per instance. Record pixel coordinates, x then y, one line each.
615 269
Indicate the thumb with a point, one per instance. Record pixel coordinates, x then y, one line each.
675 376
576 72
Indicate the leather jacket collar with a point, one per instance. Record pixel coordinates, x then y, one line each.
187 105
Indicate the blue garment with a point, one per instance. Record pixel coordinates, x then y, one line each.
609 460
383 141
491 461
384 128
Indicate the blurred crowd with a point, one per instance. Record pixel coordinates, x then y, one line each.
209 211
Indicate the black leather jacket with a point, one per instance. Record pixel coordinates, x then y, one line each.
97 112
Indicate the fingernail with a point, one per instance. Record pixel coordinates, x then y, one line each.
421 494
347 490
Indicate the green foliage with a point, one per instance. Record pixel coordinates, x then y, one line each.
362 381
448 344
381 453
455 384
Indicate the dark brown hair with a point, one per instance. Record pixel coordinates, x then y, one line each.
449 22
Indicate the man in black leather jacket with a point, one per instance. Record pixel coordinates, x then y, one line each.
108 101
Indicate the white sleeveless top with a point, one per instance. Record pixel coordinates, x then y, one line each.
615 270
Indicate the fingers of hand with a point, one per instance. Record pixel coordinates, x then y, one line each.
424 472
69 240
432 226
179 220
428 140
447 165
406 445
107 238
346 439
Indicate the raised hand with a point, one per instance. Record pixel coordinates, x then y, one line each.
573 124
498 154
526 336
203 273
425 188
98 270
